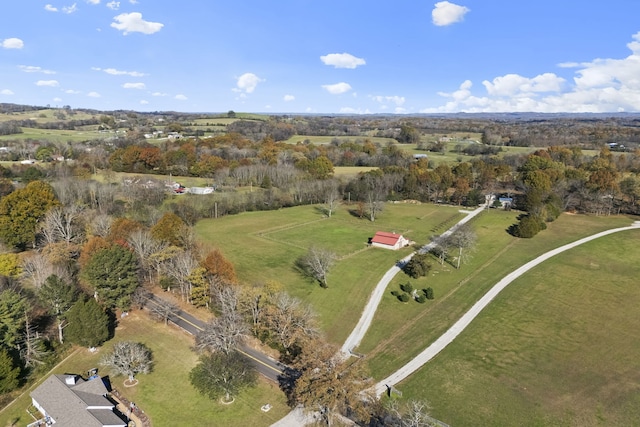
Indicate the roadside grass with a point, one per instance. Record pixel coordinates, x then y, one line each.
264 246
166 395
559 346
400 331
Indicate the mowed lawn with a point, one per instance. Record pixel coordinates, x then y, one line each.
558 347
400 331
264 246
166 395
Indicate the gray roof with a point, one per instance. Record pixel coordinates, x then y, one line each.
80 404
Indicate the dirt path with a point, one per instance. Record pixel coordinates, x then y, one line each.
455 330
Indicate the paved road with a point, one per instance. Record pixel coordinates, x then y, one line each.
354 339
455 330
264 364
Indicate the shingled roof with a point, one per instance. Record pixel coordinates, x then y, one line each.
73 402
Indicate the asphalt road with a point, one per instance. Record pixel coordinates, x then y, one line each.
264 364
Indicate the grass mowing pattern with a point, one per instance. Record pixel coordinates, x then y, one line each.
559 346
264 246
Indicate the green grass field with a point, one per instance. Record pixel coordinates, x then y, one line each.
166 394
325 140
400 331
559 346
55 135
264 246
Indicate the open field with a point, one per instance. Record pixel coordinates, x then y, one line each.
559 346
264 246
325 140
43 116
400 331
55 135
166 394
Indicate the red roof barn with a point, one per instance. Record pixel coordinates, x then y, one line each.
382 239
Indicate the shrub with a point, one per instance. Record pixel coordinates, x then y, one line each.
421 299
407 287
417 266
428 293
529 226
404 297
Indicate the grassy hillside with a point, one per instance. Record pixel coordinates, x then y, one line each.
559 346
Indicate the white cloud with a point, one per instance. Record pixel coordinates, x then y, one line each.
446 13
33 69
159 94
94 95
516 85
93 1
181 97
56 99
12 43
49 83
113 5
599 86
349 110
133 23
288 98
6 92
338 88
247 83
133 1
397 100
115 72
70 9
143 102
342 60
72 92
50 8
134 86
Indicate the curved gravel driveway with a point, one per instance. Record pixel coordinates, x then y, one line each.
354 339
446 338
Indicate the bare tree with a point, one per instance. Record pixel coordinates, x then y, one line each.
36 268
317 262
100 225
32 349
416 414
225 333
463 238
63 224
179 267
144 245
290 320
129 358
331 196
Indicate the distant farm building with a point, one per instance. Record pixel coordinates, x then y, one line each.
383 239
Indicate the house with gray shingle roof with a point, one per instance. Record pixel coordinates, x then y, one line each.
71 401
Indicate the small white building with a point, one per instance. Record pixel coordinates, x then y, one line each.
393 241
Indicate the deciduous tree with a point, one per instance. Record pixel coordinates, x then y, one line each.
21 211
317 262
222 375
129 358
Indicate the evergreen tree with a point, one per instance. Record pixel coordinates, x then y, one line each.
9 373
113 274
88 323
12 307
58 297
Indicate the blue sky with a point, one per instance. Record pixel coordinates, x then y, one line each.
311 56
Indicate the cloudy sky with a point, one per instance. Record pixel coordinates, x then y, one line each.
311 56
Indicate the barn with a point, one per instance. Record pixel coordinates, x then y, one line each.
383 239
